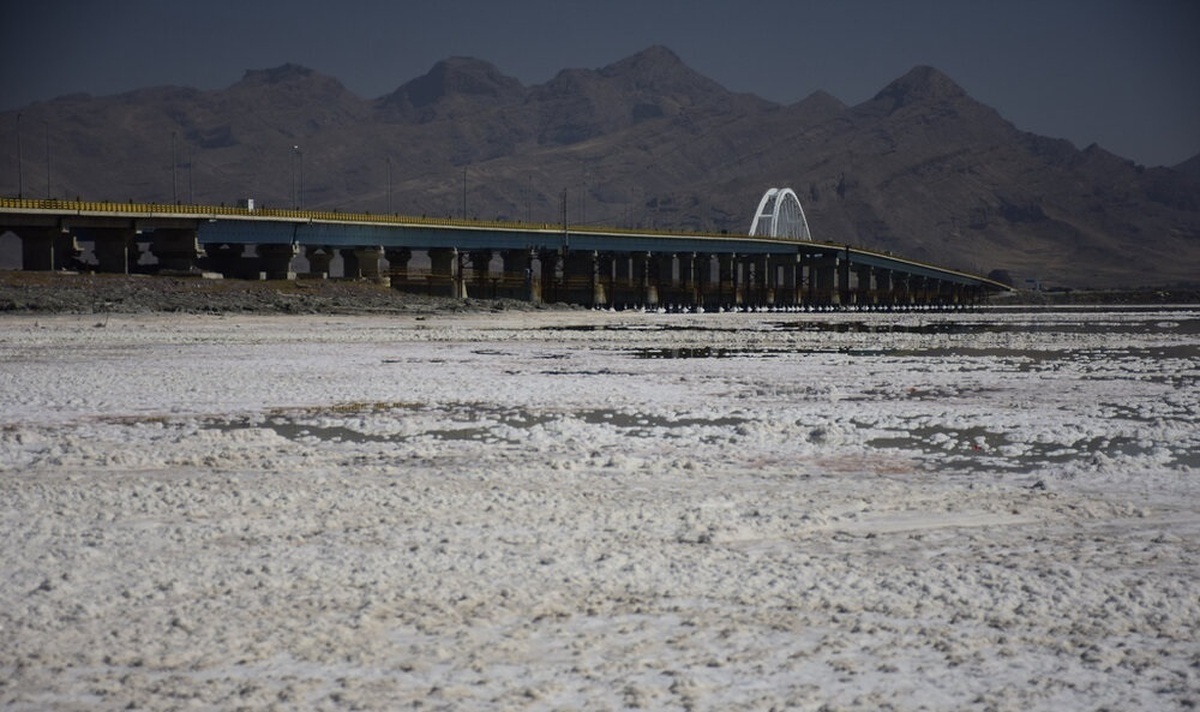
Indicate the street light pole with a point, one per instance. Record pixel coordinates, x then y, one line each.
300 190
297 160
389 171
46 127
20 176
174 163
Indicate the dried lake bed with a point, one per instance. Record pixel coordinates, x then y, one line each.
581 510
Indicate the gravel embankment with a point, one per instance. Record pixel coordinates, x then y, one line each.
133 294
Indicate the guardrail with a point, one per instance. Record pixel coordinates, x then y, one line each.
209 211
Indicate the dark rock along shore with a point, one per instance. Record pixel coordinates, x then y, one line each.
66 293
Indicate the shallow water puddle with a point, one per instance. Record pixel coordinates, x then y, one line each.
465 423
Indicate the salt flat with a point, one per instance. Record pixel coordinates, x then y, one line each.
577 510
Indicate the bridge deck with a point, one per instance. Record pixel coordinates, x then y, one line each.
829 269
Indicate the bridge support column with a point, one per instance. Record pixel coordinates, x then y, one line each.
606 263
176 249
116 249
919 289
580 279
662 276
319 259
901 289
370 264
765 279
229 260
885 290
47 249
703 285
644 269
729 287
275 259
845 296
687 293
548 264
623 291
786 290
350 266
864 288
480 284
518 279
823 279
445 277
398 259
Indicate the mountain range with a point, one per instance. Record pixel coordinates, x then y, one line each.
921 169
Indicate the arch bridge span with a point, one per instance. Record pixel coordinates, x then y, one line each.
778 265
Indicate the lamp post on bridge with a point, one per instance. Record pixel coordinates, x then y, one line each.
298 195
20 176
46 128
174 165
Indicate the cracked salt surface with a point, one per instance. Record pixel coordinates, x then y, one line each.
992 510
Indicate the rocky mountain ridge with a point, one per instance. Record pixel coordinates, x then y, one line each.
921 169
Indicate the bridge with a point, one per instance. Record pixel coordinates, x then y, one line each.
777 264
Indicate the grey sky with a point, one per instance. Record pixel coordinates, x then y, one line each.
1121 73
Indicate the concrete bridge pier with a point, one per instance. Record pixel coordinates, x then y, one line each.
226 259
581 281
623 283
606 263
479 282
729 287
47 249
445 278
370 264
687 291
116 249
901 296
517 280
823 274
350 267
275 260
787 291
319 259
884 287
763 280
645 267
703 284
176 249
398 259
663 276
549 262
864 286
920 290
845 296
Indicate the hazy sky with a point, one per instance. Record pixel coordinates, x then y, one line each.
1121 73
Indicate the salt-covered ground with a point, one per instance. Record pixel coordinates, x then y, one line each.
596 511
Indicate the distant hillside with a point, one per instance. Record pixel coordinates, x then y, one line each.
920 169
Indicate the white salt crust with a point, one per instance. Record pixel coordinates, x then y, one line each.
580 510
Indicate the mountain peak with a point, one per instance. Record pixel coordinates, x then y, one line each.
921 84
278 75
655 58
459 76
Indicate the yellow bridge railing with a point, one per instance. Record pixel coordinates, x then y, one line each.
208 211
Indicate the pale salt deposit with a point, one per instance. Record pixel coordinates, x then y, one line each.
598 511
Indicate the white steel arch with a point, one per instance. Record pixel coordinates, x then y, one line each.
780 214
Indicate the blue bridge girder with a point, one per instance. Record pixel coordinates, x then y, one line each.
214 225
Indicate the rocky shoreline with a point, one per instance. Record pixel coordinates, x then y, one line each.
77 293
91 293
